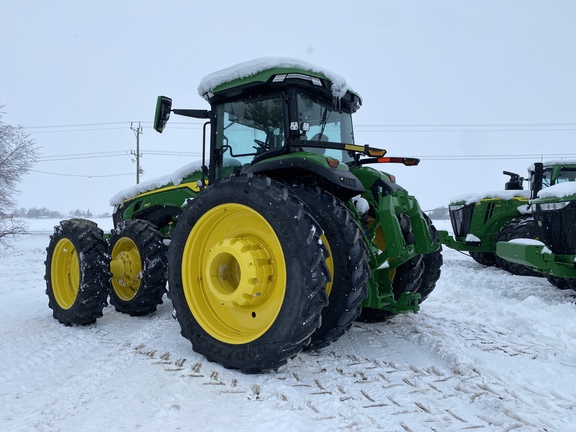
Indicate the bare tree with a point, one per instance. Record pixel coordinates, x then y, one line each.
18 153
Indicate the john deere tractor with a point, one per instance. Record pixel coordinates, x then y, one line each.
480 221
275 242
554 253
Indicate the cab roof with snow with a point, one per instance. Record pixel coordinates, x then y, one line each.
272 71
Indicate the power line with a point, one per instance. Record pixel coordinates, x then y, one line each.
96 126
81 175
470 127
80 125
76 130
473 125
78 157
497 157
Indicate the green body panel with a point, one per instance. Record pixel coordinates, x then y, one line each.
318 159
489 215
387 202
162 206
538 257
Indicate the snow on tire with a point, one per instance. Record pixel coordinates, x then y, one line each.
77 272
348 263
248 274
139 267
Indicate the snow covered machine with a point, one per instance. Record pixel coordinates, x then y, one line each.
481 220
279 238
554 251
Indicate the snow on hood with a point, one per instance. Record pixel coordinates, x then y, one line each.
252 67
503 194
175 178
560 190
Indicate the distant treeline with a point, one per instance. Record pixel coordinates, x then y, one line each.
44 213
439 213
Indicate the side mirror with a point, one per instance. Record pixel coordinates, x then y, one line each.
163 109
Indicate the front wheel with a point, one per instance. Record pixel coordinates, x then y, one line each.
487 259
247 274
77 272
562 283
522 227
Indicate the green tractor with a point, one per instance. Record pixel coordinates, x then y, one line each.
480 221
275 242
554 253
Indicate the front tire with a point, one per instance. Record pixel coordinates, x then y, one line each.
487 259
77 272
522 227
139 267
562 283
247 273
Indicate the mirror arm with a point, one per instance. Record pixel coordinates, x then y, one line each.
195 113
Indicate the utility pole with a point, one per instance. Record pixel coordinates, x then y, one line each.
137 131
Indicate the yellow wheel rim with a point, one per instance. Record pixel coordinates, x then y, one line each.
234 273
380 243
65 273
329 264
126 268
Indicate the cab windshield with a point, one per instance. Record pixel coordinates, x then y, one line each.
249 128
564 175
322 121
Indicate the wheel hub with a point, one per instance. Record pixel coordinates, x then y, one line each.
125 268
239 272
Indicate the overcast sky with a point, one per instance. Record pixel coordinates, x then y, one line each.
471 87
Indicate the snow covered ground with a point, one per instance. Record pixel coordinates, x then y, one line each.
489 351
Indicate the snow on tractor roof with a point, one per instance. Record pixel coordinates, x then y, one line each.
252 67
560 190
553 162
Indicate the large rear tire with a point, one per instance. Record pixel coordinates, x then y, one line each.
522 227
77 272
348 263
139 267
248 274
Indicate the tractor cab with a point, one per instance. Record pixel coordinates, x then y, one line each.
543 175
284 122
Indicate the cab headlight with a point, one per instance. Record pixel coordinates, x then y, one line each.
553 206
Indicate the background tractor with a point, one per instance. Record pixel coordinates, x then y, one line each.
279 238
554 254
480 221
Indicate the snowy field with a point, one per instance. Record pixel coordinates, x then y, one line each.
489 351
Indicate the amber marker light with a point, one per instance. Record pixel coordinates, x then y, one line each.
332 163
